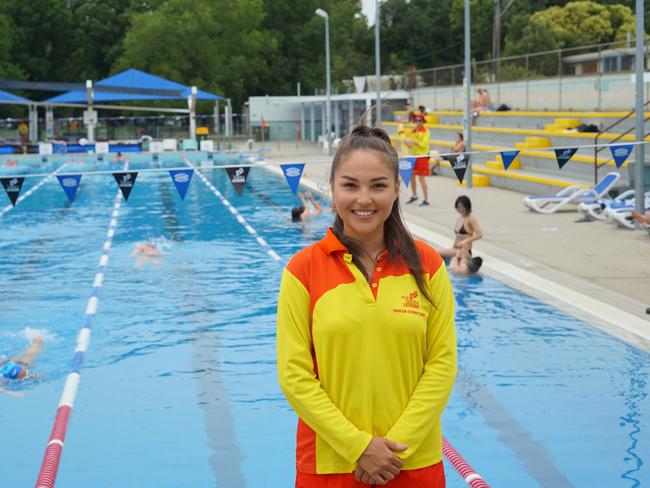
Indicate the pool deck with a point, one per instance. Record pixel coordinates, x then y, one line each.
594 270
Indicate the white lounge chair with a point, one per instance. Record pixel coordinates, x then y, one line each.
596 210
622 215
575 195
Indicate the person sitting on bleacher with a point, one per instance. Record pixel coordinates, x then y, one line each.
458 148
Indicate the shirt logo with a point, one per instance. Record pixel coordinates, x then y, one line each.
411 300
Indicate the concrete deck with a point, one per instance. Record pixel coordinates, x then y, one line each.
593 270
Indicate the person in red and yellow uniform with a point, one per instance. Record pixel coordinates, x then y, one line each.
366 343
419 144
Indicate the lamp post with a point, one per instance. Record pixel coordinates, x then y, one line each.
377 64
468 95
328 90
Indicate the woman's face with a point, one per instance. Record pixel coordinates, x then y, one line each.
460 208
364 190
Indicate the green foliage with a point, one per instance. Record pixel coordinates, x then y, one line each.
240 48
577 23
217 45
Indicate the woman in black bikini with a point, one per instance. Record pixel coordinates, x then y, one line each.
467 229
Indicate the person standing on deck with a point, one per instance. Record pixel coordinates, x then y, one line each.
419 144
366 341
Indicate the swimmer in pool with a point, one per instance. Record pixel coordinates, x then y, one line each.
18 368
464 264
303 213
147 252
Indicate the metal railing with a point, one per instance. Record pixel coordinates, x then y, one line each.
595 59
619 136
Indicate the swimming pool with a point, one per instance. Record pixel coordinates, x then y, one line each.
179 385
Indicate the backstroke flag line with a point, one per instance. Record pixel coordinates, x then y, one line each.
126 181
182 179
563 155
620 153
508 157
460 166
70 185
293 173
12 186
406 166
237 177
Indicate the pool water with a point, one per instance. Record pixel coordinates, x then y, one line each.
179 384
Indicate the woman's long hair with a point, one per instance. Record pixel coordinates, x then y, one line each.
399 242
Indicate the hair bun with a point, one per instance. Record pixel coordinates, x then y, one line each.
365 131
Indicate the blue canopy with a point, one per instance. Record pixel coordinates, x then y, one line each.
6 97
133 78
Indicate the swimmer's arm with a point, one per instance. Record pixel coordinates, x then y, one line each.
297 377
317 208
12 393
431 394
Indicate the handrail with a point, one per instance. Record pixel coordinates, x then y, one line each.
620 136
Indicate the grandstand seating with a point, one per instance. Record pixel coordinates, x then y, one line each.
535 171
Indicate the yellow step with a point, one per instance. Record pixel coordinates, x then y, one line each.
552 127
534 141
499 165
477 180
567 123
431 119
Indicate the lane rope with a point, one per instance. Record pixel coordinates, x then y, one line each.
32 189
462 467
52 458
249 228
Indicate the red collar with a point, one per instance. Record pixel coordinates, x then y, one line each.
421 129
330 243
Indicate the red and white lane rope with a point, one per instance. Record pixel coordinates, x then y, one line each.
236 214
471 477
33 189
52 458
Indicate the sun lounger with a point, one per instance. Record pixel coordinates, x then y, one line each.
596 210
575 195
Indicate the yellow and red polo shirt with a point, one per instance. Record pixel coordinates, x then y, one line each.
358 359
420 138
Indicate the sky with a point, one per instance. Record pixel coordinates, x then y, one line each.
368 9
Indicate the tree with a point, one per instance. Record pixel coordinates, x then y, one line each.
299 53
577 23
217 45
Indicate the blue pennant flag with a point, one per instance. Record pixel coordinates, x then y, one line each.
620 153
182 179
508 157
563 155
293 173
406 166
70 185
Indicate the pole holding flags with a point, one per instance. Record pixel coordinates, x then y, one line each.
293 173
70 185
126 181
12 186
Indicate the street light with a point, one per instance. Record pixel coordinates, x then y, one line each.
328 104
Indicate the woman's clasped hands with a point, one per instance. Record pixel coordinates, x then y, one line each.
378 464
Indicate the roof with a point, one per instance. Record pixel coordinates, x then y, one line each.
133 78
6 97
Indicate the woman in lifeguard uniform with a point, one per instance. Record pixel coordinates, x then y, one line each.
366 343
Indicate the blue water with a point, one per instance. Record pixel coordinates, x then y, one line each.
179 385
